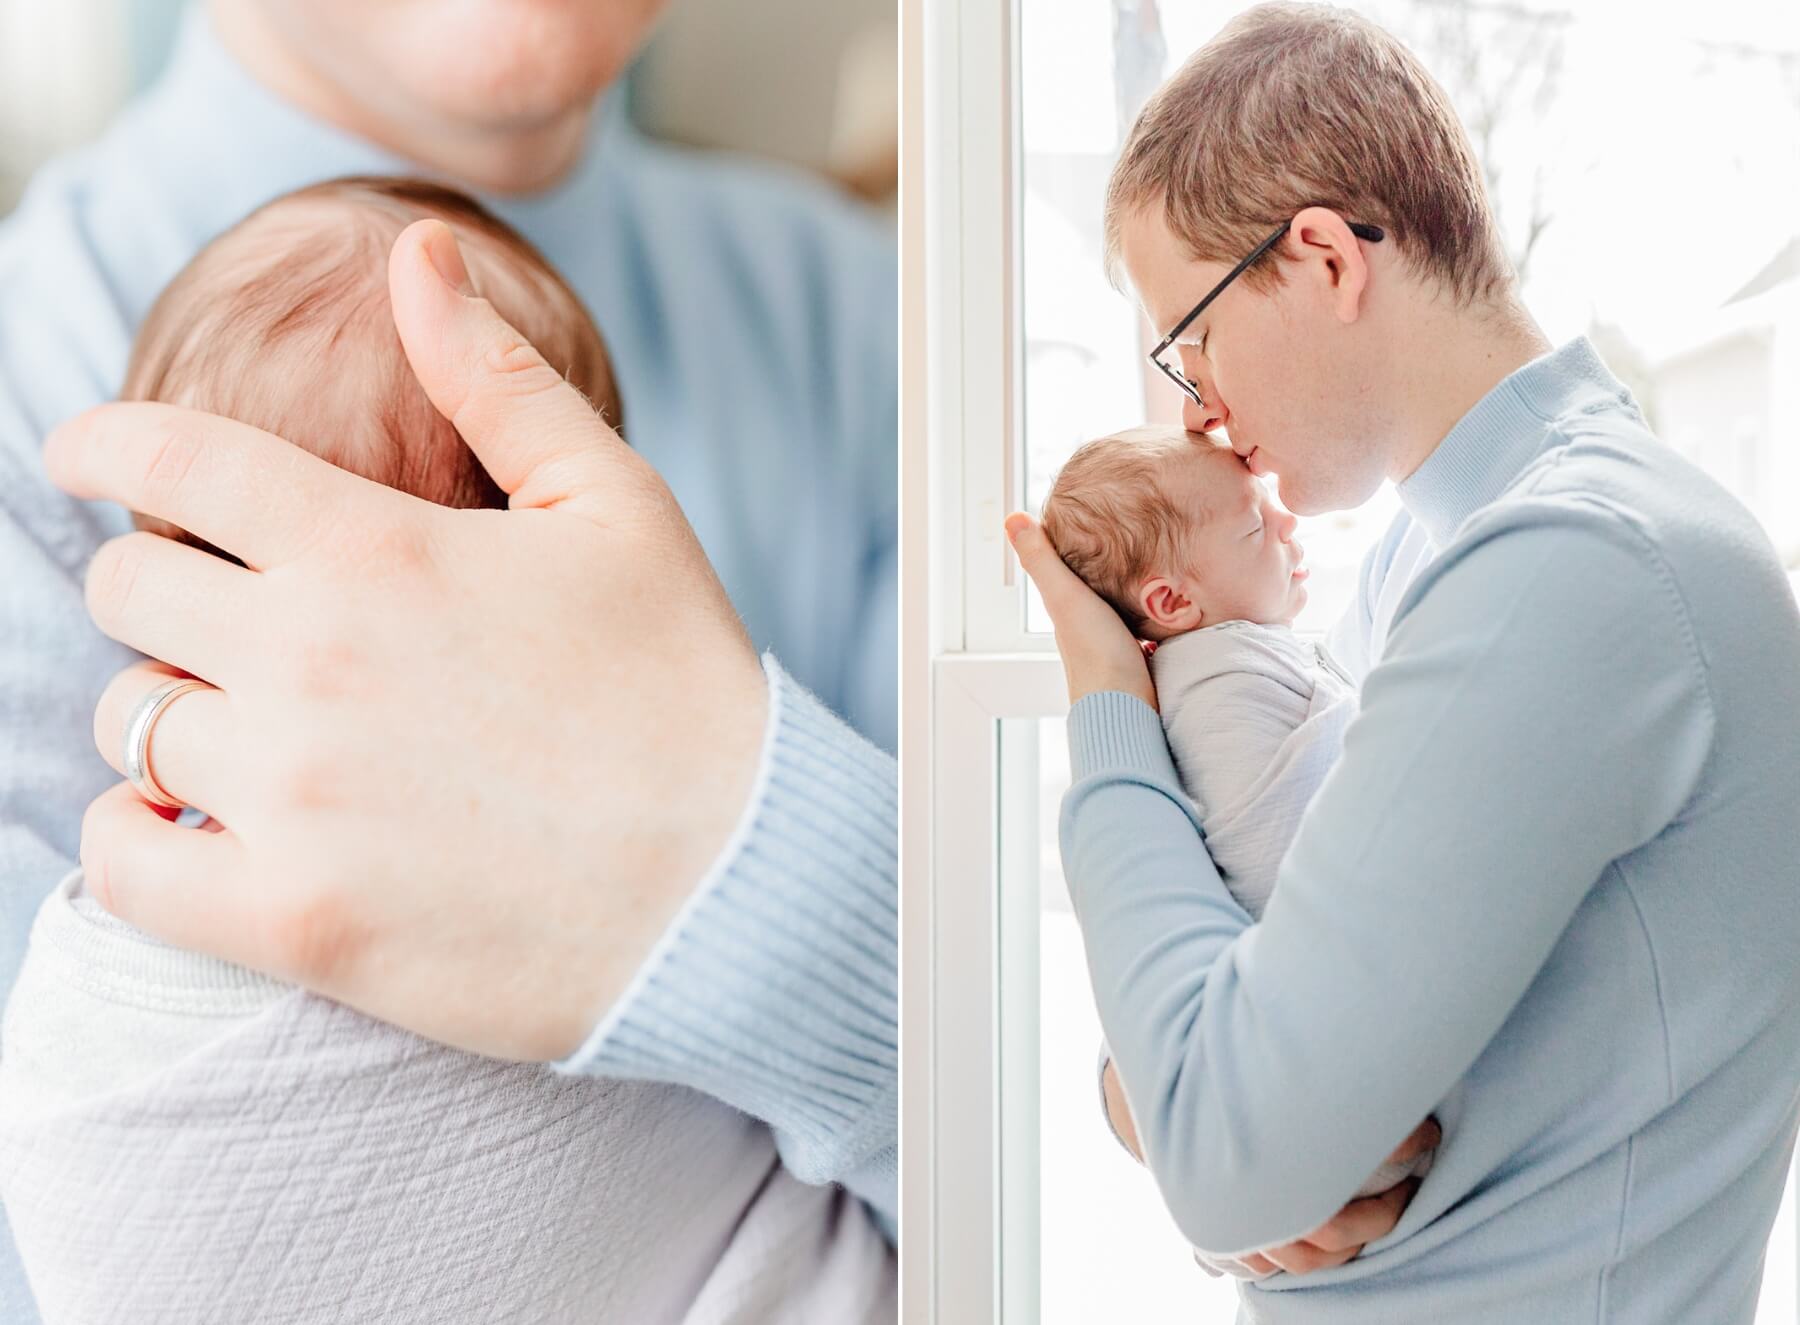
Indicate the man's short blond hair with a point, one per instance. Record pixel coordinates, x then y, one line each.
1113 520
1299 105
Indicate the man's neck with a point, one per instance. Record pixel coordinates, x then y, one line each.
1452 359
514 160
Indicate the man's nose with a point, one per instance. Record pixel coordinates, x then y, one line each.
1203 418
1212 413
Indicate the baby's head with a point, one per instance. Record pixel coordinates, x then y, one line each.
1173 531
283 322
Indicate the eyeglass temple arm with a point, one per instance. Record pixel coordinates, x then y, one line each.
1373 233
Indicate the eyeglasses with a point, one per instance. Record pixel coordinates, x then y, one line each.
1373 233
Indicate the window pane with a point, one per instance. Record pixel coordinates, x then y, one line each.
1105 1247
1572 114
1080 85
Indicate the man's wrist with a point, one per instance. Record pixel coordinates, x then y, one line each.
775 987
1112 731
705 821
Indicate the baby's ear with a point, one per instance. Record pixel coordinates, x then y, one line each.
1168 605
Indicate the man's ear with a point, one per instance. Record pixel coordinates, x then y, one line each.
1168 605
1321 235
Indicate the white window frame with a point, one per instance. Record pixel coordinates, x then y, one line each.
973 135
969 664
969 1154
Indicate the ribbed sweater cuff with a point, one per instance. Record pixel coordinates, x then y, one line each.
1113 732
775 988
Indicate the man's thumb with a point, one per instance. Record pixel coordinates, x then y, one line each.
536 435
1032 546
1061 589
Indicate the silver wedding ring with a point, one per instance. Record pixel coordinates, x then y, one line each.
137 738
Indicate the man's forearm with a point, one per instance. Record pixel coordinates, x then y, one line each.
775 989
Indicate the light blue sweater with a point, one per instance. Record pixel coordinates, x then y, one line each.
1551 893
751 319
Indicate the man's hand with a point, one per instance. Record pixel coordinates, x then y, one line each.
1118 1112
1340 1238
468 764
1098 651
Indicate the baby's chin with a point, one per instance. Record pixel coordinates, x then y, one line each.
1295 604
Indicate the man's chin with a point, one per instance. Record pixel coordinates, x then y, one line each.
1297 497
1303 499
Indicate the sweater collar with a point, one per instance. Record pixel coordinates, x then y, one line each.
1507 429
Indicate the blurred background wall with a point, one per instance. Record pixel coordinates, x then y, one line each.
810 82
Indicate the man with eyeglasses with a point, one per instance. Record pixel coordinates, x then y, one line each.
1550 893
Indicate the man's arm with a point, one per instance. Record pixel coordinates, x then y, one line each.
1540 712
1348 640
776 988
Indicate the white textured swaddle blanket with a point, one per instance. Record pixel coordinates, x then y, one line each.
182 1140
1255 719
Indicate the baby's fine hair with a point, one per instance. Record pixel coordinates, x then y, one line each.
284 322
1111 518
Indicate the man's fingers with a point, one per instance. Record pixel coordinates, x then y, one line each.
170 601
537 435
1098 650
187 742
1060 588
1425 1136
177 883
1342 1237
1075 610
239 488
1363 1221
1305 1257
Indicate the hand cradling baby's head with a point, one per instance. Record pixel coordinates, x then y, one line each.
283 322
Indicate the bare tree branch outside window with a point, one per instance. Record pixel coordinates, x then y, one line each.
1501 65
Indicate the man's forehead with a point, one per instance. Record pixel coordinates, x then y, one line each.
1165 280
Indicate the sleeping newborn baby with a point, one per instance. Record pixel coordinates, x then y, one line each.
1192 551
183 1139
1196 555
